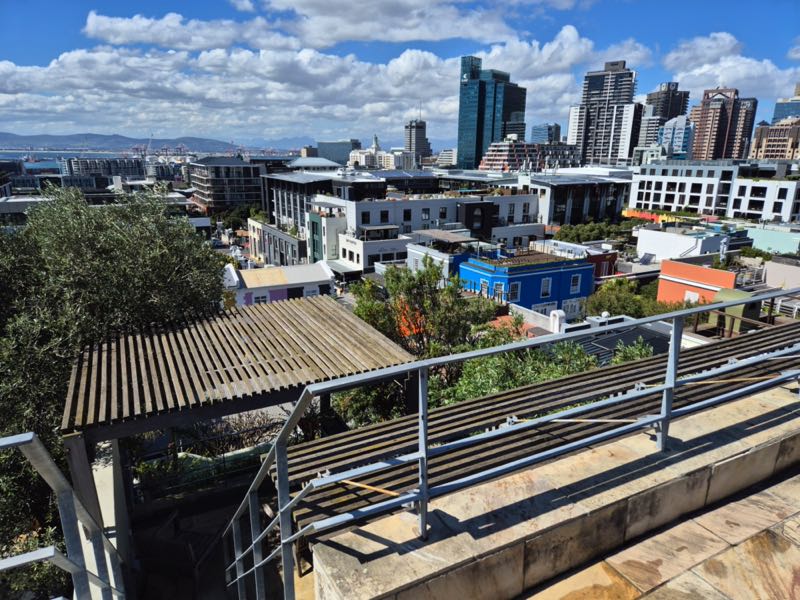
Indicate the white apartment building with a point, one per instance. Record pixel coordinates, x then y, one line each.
725 188
370 231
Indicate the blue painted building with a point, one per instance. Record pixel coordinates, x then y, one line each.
535 280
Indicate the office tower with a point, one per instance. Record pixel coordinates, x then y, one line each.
490 108
787 107
545 133
416 141
723 125
668 101
339 151
779 141
676 136
605 126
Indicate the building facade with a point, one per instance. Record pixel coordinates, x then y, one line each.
723 125
605 126
271 245
338 151
130 168
534 280
490 107
787 107
733 189
677 136
779 141
668 101
514 155
545 133
416 140
222 182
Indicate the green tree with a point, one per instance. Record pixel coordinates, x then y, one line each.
421 314
626 353
621 297
73 274
494 374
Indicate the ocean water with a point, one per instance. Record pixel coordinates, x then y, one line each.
56 154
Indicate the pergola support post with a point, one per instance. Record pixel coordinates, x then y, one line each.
80 471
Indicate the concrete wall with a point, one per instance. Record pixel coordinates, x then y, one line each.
665 245
782 275
678 278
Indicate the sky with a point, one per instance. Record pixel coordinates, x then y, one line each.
252 71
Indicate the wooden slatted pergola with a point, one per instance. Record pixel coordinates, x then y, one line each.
229 362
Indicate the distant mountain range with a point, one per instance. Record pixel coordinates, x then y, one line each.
121 143
96 141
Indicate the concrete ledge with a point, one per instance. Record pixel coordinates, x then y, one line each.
497 539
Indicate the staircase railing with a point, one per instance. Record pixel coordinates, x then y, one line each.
239 570
77 525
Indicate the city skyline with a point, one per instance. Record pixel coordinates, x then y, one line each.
272 70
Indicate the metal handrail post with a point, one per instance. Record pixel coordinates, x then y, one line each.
72 539
285 514
422 505
668 394
241 591
255 532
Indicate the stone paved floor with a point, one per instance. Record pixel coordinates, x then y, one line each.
748 549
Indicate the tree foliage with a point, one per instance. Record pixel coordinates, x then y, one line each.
621 297
73 274
638 350
585 232
421 314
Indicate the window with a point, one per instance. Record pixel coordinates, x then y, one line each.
498 292
574 284
547 283
426 214
513 291
406 214
365 218
384 216
443 212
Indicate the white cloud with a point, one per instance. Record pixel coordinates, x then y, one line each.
243 5
323 23
717 61
173 31
701 51
794 51
635 54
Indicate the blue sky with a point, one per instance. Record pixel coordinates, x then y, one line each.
251 70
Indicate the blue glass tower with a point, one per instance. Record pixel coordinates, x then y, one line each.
787 107
490 107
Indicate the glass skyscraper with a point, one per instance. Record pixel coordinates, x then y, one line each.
787 107
490 108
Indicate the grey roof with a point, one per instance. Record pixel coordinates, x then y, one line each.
451 237
567 179
221 161
399 173
299 177
309 162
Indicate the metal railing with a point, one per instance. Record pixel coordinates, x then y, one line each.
418 498
77 526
